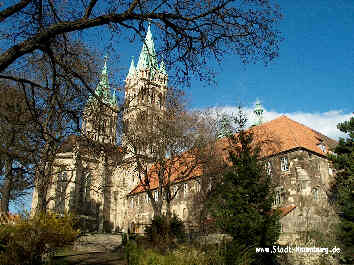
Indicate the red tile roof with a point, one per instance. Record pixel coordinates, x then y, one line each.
284 211
175 170
276 136
283 134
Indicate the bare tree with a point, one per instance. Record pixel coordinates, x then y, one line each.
166 149
42 56
16 150
190 32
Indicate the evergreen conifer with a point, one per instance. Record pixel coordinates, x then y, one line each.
343 189
242 203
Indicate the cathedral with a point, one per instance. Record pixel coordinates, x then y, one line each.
95 183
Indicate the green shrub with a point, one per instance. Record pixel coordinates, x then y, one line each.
124 239
33 239
163 232
182 256
133 253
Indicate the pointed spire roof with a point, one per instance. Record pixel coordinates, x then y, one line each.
147 58
131 72
103 84
103 90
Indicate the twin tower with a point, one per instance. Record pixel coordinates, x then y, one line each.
145 91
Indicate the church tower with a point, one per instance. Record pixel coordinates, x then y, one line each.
258 111
100 120
146 84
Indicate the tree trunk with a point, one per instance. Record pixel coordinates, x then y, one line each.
43 175
7 186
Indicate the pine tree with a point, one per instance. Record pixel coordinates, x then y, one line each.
343 188
242 203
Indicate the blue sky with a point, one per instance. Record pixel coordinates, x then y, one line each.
312 80
315 69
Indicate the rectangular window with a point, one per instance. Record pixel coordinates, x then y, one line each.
284 163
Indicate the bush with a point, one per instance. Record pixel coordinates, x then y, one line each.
133 253
163 232
182 256
33 239
107 227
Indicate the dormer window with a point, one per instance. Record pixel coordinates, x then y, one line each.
322 147
284 163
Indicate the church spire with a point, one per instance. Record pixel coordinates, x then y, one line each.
147 58
103 84
131 72
103 90
258 110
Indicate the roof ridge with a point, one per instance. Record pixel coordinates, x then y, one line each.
294 135
304 125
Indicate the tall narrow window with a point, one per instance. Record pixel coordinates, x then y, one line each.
61 192
197 186
156 195
315 194
284 163
160 100
277 198
268 167
87 189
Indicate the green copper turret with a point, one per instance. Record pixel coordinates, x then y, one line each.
258 110
103 89
148 58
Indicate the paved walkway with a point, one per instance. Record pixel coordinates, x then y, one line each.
98 243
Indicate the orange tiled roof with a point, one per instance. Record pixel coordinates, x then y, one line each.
276 136
283 134
175 170
284 211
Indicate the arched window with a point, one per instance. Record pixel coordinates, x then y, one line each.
315 193
277 199
61 186
160 100
184 213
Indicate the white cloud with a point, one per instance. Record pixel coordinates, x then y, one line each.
325 122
